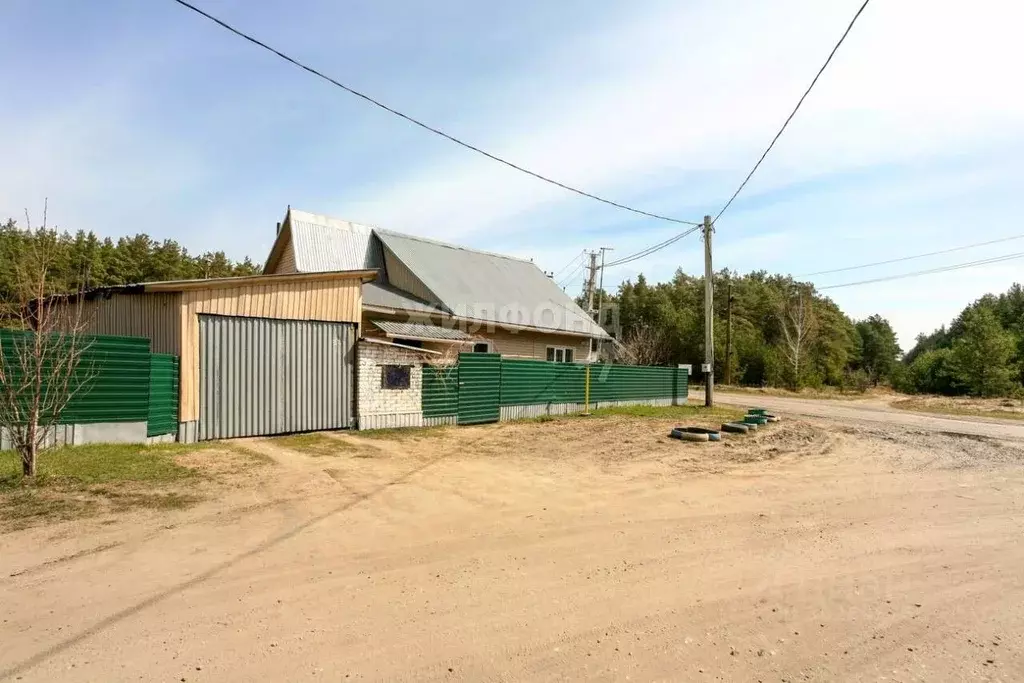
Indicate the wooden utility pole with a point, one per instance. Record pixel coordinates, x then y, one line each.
591 281
709 318
728 337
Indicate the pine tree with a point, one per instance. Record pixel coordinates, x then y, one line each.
981 356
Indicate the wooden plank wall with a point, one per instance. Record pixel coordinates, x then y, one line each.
154 316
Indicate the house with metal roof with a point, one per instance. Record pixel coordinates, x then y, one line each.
432 295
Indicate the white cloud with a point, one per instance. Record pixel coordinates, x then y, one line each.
700 88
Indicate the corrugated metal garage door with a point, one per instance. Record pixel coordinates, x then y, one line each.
259 376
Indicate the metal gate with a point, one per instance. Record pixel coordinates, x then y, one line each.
479 388
260 376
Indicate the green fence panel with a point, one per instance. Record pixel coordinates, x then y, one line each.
531 382
112 377
479 388
440 396
163 394
633 383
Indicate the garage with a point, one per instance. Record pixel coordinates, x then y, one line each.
258 355
264 376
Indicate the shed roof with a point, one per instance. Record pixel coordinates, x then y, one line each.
223 282
382 295
402 330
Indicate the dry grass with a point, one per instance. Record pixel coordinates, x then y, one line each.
83 481
828 393
403 433
1006 409
314 444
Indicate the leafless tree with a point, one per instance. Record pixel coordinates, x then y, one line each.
41 368
798 328
642 346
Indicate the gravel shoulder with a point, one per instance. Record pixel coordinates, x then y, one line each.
571 549
875 411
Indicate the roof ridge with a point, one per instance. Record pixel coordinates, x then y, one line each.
326 221
439 243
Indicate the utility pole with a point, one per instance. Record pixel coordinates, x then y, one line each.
600 286
728 337
709 318
591 281
600 311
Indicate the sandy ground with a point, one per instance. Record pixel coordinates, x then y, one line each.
579 549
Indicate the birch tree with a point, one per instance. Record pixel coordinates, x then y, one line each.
798 328
41 369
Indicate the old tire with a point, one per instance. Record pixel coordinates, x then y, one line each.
735 428
683 435
757 411
772 418
755 419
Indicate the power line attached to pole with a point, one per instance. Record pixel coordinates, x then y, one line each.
709 317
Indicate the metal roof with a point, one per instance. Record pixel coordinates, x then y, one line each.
322 243
226 282
468 283
382 295
420 331
489 287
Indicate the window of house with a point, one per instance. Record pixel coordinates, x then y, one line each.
395 376
560 354
482 347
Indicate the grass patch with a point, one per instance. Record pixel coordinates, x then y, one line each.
673 412
314 444
79 481
650 412
401 433
99 463
952 408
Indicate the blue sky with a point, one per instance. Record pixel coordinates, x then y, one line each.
140 116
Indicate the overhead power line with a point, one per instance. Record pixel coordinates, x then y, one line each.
911 258
795 110
651 249
573 275
567 265
672 240
427 127
944 269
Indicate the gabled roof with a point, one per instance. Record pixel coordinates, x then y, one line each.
465 283
489 287
322 243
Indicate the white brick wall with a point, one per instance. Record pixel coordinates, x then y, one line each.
379 407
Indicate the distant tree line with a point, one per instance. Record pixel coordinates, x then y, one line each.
84 260
785 333
981 353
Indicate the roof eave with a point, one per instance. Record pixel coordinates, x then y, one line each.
247 280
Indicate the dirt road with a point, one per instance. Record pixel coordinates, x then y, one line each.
565 550
873 411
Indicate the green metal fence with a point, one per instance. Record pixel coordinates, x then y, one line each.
163 395
636 383
116 379
534 382
110 381
527 382
479 380
440 391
